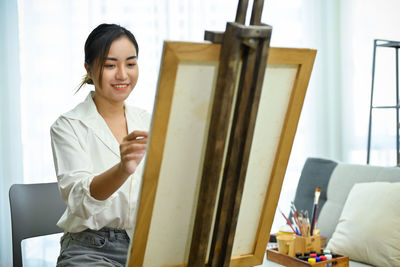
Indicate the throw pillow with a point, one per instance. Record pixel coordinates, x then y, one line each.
369 226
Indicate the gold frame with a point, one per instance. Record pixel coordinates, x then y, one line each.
174 53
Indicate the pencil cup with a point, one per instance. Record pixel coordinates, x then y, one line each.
306 244
286 244
292 244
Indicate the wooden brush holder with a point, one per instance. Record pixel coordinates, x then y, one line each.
292 244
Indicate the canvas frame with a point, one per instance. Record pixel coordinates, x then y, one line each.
198 53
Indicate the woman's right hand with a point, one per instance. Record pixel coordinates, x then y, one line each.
132 150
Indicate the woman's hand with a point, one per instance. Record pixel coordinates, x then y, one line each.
132 150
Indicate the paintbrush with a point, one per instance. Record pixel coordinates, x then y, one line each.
287 220
315 209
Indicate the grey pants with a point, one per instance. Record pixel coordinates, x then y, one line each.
105 247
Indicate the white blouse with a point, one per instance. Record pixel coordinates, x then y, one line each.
83 147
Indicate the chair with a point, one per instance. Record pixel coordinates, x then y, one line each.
35 210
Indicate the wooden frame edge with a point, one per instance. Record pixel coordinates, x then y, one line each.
175 52
154 158
306 61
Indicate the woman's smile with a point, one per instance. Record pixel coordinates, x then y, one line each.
120 86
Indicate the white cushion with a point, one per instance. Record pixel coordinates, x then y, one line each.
342 180
369 225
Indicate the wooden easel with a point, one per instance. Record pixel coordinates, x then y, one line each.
249 45
169 194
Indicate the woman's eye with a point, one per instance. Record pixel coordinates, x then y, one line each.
131 64
109 66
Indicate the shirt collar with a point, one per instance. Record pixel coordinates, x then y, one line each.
87 113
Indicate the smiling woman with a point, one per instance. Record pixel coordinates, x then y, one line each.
98 149
119 74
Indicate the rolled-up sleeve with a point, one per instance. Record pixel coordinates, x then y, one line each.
74 169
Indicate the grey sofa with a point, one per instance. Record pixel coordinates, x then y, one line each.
336 180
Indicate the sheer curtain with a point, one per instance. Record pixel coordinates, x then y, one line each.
311 24
362 22
10 128
334 119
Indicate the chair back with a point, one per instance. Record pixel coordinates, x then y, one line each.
35 210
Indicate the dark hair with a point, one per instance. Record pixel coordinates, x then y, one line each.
98 44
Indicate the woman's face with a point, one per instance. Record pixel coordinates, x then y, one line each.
120 71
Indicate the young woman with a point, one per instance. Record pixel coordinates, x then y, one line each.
98 149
